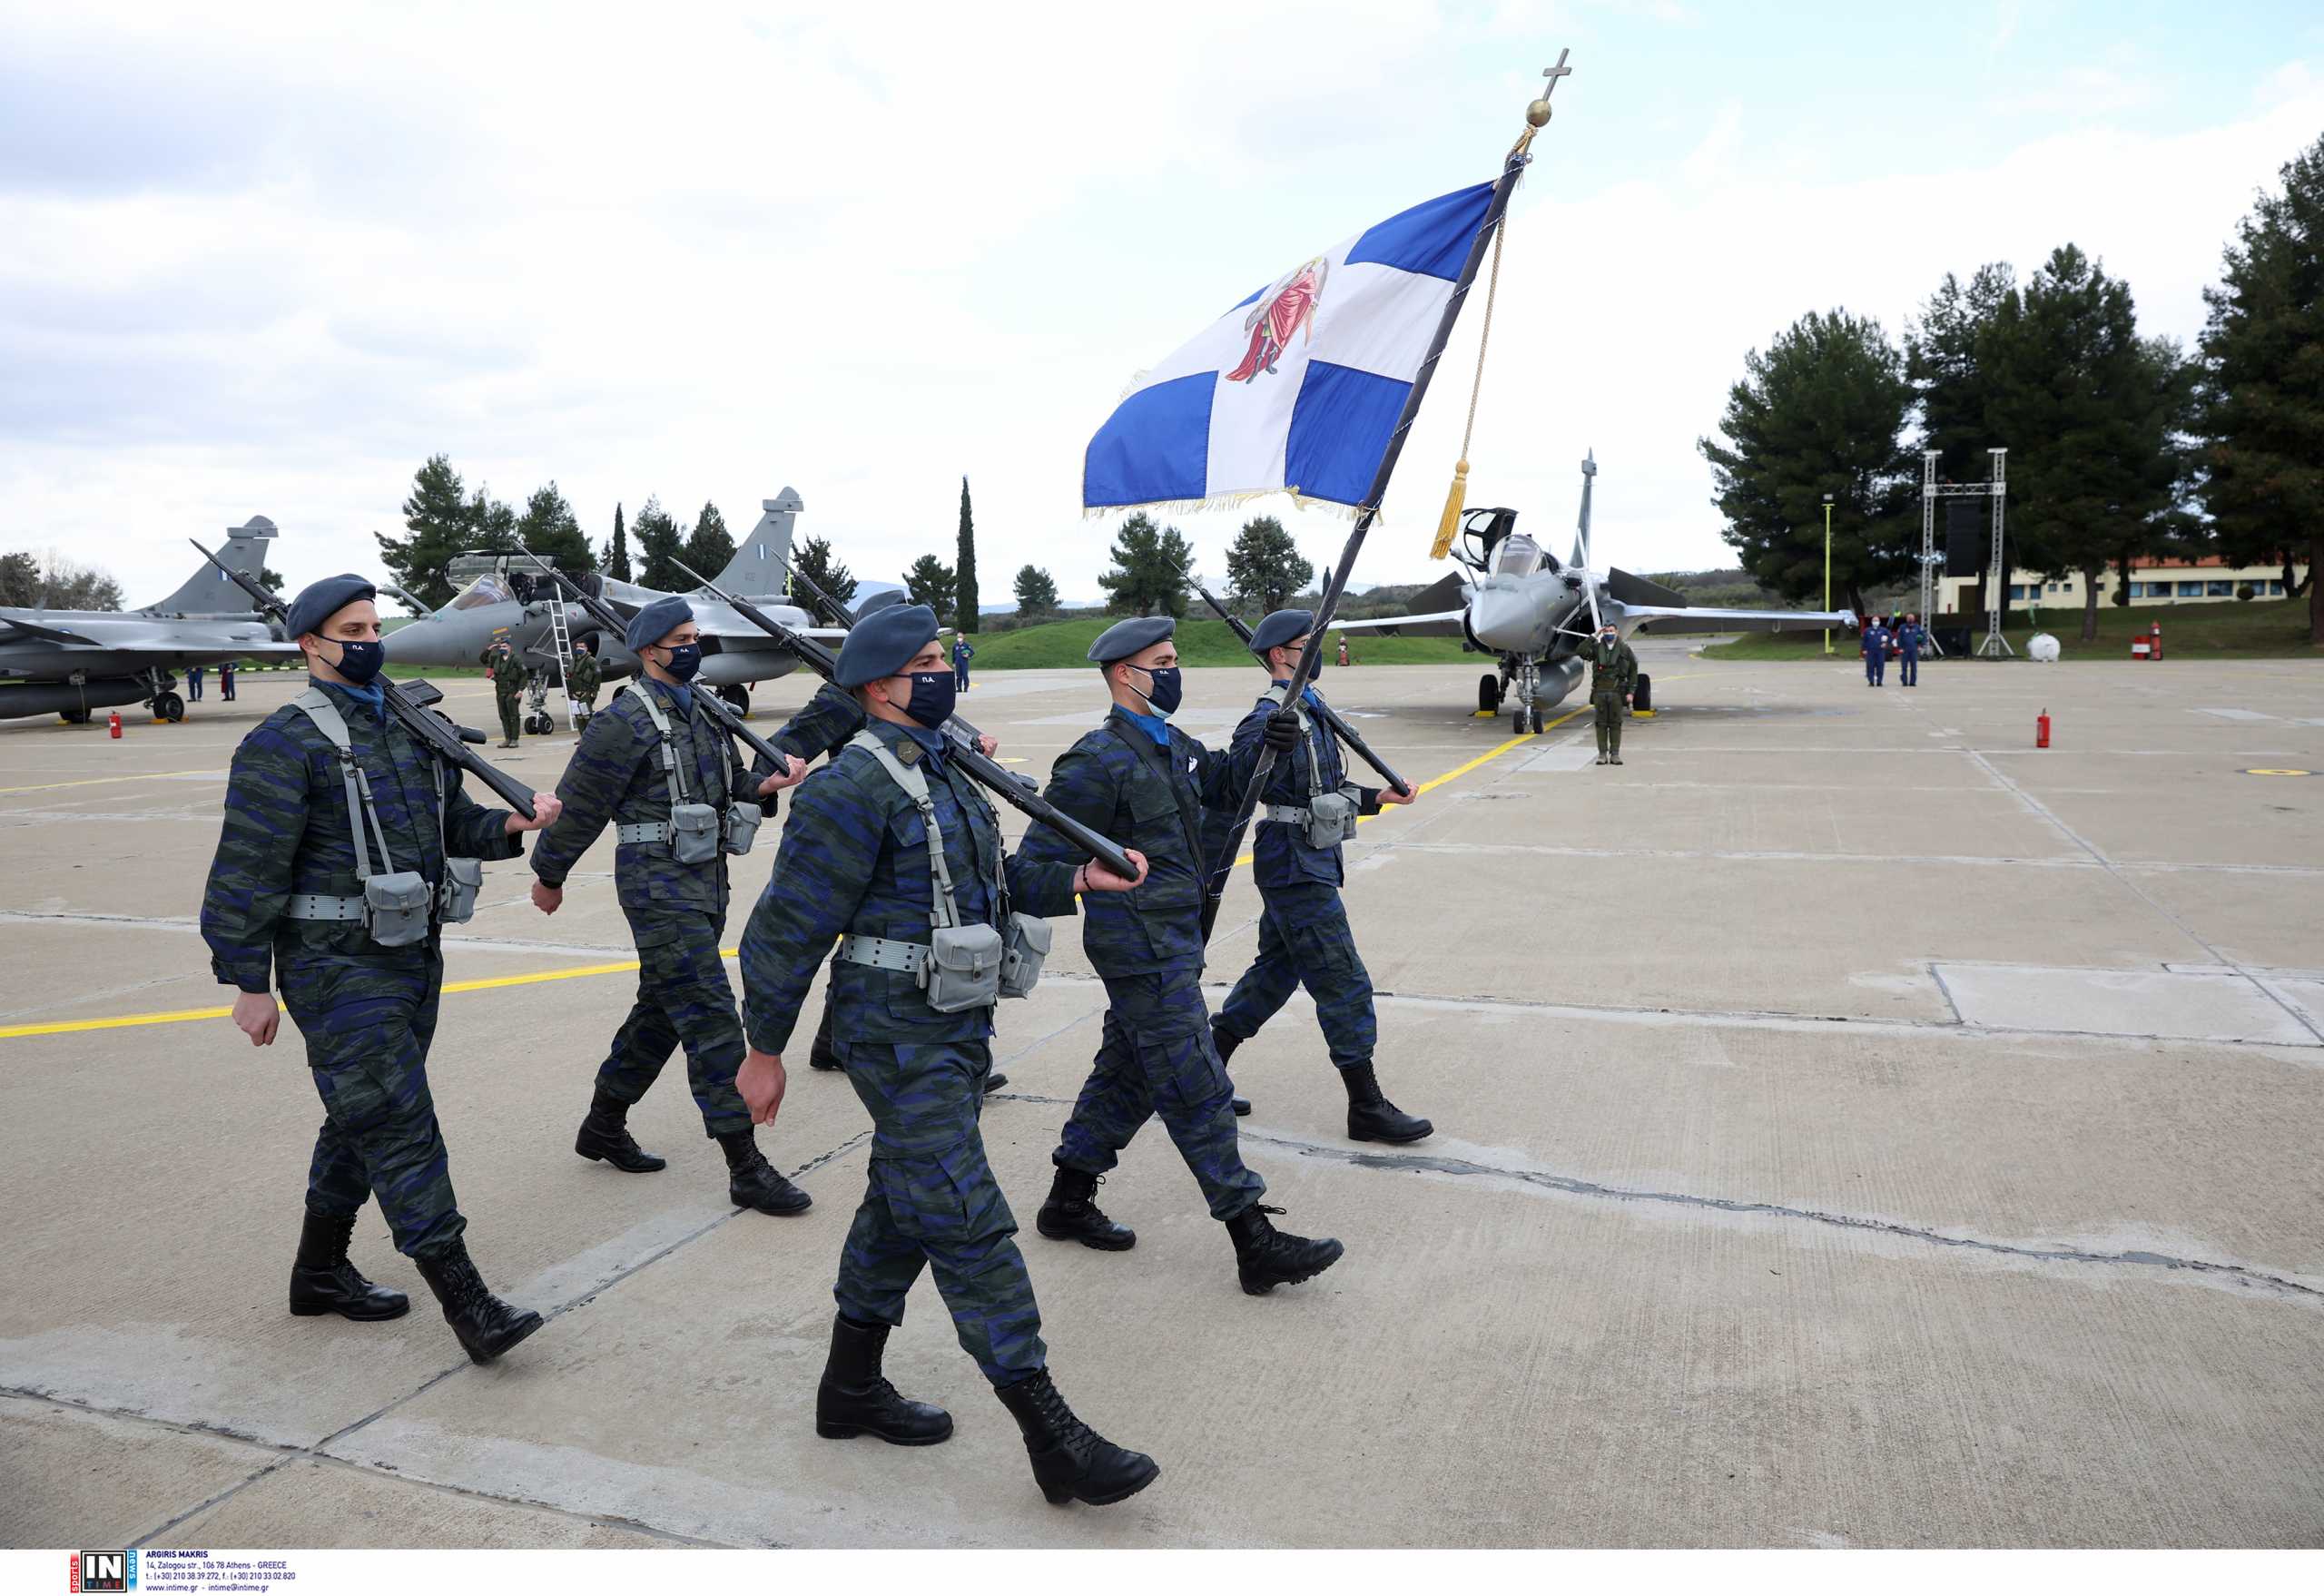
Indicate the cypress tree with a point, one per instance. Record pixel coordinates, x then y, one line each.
966 609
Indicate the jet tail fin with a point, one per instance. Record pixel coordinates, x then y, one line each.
209 591
756 570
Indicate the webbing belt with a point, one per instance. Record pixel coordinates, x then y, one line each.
647 832
883 953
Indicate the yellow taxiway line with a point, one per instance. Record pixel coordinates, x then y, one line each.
177 1016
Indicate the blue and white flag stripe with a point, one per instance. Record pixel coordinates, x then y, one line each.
1238 412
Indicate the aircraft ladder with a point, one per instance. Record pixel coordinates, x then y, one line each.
562 636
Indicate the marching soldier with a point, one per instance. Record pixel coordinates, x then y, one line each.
1143 782
1613 672
583 680
323 789
1304 935
508 685
660 771
890 841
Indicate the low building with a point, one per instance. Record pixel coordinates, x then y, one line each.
2152 581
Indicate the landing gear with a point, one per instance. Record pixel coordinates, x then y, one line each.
1525 676
538 723
1488 693
73 718
1535 718
169 706
738 698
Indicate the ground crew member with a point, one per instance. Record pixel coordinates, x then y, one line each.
1911 638
1303 934
962 655
1874 649
193 684
889 840
1143 782
1614 673
324 790
653 757
508 685
226 680
823 726
583 680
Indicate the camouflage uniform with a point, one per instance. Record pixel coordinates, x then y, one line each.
1303 934
823 726
676 913
508 684
366 1013
1156 1054
582 681
1613 672
854 861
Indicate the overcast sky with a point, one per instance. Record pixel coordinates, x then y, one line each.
267 261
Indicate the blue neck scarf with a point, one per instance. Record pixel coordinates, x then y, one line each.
1307 692
372 695
1156 726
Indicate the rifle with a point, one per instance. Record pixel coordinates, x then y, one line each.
1011 789
435 730
720 711
1324 711
958 729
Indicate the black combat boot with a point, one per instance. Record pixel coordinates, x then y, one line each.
855 1398
821 1054
604 1136
323 1282
1070 1460
753 1183
1371 1117
1072 1214
1225 1042
1266 1257
486 1325
994 1081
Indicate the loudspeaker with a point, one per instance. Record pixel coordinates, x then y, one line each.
1968 537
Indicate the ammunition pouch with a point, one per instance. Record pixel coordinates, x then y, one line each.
693 832
741 827
963 967
1026 949
397 908
456 894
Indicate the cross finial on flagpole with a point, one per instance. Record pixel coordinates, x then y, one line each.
1537 114
1555 73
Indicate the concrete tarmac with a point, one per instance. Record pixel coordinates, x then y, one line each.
1856 1128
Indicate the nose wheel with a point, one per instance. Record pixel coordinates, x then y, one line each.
168 707
1526 677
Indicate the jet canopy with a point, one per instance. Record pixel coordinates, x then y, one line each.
1490 544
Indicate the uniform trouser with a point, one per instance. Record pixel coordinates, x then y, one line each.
1608 715
192 686
1908 665
961 677
508 708
683 996
367 1023
1305 940
1876 665
1156 1057
930 1198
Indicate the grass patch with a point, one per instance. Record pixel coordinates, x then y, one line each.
1065 645
2265 628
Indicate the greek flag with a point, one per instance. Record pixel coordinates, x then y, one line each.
1296 389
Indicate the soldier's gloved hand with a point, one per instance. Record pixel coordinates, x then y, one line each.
1282 731
256 1016
547 807
796 772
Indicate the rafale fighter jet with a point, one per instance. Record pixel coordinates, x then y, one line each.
70 663
1515 600
510 596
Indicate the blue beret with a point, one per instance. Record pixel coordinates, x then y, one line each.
1124 638
1280 629
883 644
319 601
656 621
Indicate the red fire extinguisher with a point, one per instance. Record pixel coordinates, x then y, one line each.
2042 729
112 721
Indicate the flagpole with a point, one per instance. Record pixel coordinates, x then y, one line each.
1537 116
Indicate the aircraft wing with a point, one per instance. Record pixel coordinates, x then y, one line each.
1452 617
1430 616
1641 613
18 626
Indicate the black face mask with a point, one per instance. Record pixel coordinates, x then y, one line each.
359 662
685 659
1165 688
933 693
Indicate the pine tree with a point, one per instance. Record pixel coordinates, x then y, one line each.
548 528
966 606
2091 413
932 582
658 538
436 516
2263 401
1264 566
617 561
1036 593
815 561
1820 412
1149 566
709 547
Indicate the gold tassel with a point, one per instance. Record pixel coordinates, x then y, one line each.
1451 521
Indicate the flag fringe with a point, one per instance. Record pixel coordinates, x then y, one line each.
1226 501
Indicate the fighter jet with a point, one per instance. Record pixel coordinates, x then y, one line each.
510 596
71 663
1516 600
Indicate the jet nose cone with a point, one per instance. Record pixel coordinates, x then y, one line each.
409 643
